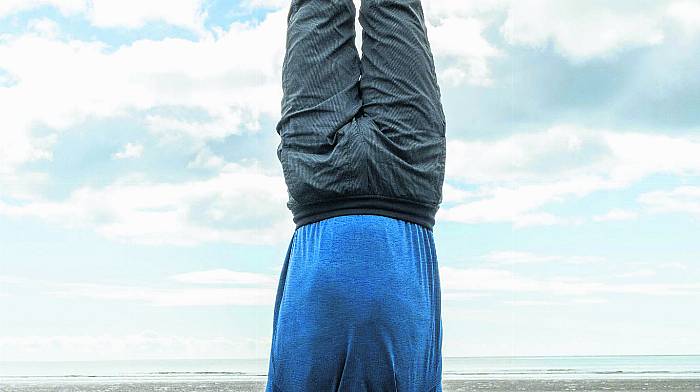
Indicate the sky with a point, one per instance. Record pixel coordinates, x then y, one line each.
142 205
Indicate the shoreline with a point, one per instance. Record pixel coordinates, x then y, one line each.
465 385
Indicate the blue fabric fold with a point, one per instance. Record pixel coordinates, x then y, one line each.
358 308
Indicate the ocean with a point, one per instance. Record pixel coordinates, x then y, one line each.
574 373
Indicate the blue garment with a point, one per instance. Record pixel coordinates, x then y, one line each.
358 309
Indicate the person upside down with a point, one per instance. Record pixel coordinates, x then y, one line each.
363 154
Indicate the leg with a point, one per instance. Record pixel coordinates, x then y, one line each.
398 86
401 102
320 75
320 154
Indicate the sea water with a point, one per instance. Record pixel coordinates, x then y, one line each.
250 374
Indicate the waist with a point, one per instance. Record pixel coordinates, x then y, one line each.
406 210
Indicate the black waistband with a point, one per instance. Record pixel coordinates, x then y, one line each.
420 213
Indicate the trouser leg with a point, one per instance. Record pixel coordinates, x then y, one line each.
370 129
398 86
401 97
320 75
320 152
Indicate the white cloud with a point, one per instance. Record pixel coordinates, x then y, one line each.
557 152
135 13
463 60
616 214
590 300
225 276
687 13
224 122
141 345
520 257
205 159
66 7
250 289
520 204
44 26
528 302
580 30
640 273
436 9
456 34
274 4
20 186
120 13
467 280
226 296
452 194
238 205
520 174
683 199
18 147
88 80
584 29
239 289
677 265
130 150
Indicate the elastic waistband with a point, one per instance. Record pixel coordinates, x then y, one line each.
419 213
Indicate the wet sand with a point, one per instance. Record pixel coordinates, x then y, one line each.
574 385
684 385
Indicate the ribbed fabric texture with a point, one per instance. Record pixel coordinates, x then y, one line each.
361 135
358 309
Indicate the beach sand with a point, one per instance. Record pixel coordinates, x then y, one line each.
684 385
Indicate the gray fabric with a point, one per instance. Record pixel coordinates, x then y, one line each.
361 135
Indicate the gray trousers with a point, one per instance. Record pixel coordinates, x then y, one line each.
361 135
